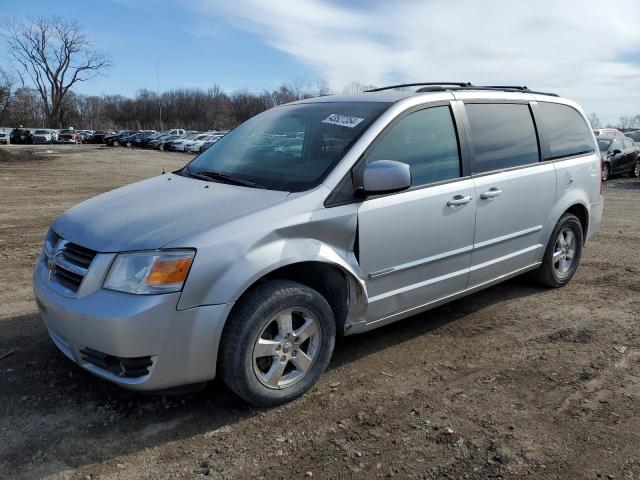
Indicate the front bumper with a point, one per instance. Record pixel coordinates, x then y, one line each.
182 344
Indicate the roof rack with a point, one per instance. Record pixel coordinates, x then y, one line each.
420 84
444 86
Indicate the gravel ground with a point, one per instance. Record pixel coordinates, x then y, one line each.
515 381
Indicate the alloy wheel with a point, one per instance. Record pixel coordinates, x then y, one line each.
605 172
636 170
564 253
287 348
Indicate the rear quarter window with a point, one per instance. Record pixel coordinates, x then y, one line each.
503 136
567 132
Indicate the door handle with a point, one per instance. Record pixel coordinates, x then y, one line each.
491 193
458 200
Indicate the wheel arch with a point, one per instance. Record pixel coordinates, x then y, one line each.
580 211
342 289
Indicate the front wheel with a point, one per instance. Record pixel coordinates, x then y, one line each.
636 169
606 170
562 256
277 342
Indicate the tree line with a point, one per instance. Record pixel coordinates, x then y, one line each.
190 108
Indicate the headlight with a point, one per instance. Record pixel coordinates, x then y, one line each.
149 272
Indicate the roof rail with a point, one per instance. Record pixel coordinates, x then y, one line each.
501 88
444 86
420 84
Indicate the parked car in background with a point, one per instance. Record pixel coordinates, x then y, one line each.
619 155
21 136
135 139
328 216
4 138
86 135
607 132
98 136
115 139
176 131
141 140
195 144
161 142
178 145
69 136
43 136
635 136
210 142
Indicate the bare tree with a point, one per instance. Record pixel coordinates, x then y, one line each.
625 123
7 82
594 120
52 55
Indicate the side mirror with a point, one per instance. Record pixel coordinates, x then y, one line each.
616 152
386 176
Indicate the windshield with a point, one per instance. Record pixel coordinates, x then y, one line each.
603 143
41 132
291 147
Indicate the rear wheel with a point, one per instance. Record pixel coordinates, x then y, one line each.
562 256
636 169
277 343
116 143
606 170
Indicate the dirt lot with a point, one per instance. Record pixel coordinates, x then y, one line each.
515 381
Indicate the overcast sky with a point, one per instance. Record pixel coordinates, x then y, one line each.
585 50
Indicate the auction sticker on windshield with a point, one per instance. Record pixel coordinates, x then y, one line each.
342 120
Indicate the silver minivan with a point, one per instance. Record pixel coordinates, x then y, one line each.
324 217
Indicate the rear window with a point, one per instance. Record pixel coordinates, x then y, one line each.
503 136
566 130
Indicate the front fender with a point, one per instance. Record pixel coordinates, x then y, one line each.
234 258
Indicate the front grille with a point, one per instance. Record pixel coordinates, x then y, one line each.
68 262
123 367
78 255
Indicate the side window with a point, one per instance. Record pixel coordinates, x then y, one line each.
566 130
503 136
628 144
617 145
426 140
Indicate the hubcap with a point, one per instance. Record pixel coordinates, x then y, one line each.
287 348
564 253
605 171
636 171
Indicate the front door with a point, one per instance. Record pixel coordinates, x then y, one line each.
415 246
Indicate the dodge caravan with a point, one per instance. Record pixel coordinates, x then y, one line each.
323 217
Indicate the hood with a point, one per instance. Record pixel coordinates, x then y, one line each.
154 212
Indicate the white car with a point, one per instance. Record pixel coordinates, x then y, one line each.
44 136
195 144
178 145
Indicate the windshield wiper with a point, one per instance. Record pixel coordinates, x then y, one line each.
225 177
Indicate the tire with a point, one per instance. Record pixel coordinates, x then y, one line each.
606 171
636 170
128 144
116 143
561 261
276 377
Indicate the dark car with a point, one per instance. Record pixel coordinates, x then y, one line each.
619 155
635 136
138 139
21 136
98 136
117 139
